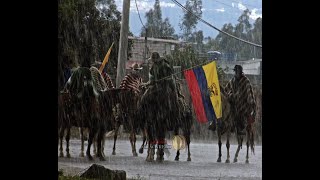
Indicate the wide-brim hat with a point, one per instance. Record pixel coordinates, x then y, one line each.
237 67
136 67
154 55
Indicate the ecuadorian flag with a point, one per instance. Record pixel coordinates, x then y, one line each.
204 88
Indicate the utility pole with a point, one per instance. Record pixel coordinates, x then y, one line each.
145 55
123 47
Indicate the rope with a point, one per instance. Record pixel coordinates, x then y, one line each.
167 77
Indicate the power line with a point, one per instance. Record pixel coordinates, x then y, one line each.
177 3
234 6
243 3
224 4
139 14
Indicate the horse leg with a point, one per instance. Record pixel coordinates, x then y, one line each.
161 144
187 135
247 156
228 147
151 146
115 138
61 134
67 140
133 142
90 140
160 152
151 149
239 137
95 145
219 144
144 134
82 142
160 149
102 145
176 132
99 142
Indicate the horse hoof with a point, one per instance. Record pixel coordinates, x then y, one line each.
189 159
149 160
160 159
219 160
247 161
68 155
61 155
90 157
113 153
227 161
135 154
141 150
81 154
176 159
235 160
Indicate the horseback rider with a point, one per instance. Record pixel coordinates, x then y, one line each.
161 84
131 82
240 94
160 71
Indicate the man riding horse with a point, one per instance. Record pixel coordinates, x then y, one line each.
159 104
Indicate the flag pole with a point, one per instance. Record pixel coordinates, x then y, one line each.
106 58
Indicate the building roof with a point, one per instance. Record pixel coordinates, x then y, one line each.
156 40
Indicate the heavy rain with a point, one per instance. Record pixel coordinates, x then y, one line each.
159 89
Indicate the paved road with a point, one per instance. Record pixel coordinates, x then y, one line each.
202 166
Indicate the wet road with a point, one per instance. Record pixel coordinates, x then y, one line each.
203 163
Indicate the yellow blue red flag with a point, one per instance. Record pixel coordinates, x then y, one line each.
204 88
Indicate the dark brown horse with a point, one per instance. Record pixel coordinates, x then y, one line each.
64 118
85 111
226 125
127 102
160 110
185 124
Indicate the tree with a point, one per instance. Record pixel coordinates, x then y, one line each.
155 25
226 43
166 28
243 29
86 30
256 36
211 44
190 21
197 37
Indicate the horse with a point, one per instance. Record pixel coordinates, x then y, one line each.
64 121
185 124
102 82
227 125
84 111
159 109
128 100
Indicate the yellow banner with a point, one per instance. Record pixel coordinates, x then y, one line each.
210 71
106 58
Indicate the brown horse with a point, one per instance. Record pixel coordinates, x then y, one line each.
64 118
227 125
185 124
160 110
125 114
84 111
102 83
